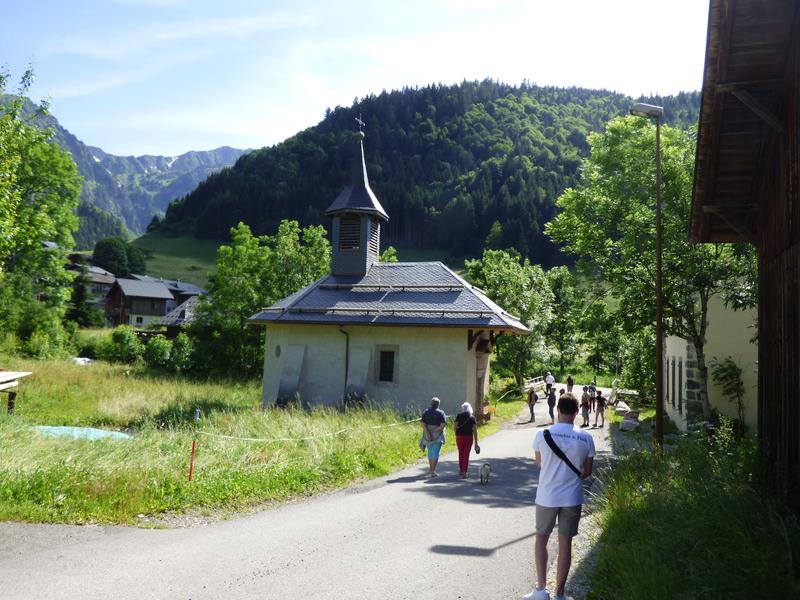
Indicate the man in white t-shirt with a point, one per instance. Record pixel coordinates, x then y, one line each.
560 493
549 381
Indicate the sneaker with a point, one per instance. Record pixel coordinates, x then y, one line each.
543 594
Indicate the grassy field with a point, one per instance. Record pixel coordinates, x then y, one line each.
45 479
182 257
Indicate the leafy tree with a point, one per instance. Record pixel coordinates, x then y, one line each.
608 221
251 273
562 333
389 255
521 289
39 189
603 334
136 259
81 309
111 254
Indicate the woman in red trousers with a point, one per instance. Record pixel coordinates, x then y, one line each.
466 432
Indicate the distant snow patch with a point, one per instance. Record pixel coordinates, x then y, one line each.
95 158
171 160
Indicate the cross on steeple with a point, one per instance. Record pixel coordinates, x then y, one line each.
361 123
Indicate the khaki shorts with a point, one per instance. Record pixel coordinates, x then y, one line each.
568 519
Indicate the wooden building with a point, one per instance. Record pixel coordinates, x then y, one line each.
747 190
137 303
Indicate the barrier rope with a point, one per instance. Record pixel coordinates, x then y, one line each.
300 439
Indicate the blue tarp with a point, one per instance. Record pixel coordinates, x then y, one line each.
83 433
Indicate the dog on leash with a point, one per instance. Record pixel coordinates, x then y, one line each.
485 471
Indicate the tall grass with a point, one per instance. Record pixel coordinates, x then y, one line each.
692 525
78 481
113 481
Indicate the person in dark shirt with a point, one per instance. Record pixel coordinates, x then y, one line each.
466 428
600 410
551 404
433 424
532 398
570 383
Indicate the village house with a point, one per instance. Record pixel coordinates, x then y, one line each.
137 303
180 316
393 333
729 334
181 291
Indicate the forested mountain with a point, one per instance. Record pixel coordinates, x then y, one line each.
123 193
452 165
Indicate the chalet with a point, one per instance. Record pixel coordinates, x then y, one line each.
747 189
181 291
180 316
394 333
137 303
99 281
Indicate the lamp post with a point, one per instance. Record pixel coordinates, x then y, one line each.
657 112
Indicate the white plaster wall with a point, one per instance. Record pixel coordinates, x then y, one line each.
675 349
729 333
146 319
430 362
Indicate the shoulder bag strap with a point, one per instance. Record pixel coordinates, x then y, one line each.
558 452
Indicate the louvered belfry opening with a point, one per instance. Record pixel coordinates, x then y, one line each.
350 233
374 237
356 230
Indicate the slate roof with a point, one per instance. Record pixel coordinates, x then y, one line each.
144 289
180 287
358 197
413 294
183 313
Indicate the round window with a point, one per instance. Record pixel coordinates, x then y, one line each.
278 351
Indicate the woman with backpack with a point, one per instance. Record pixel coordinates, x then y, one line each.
551 404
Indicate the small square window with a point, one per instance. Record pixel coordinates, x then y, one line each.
386 366
139 320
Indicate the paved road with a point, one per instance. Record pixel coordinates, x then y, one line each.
399 537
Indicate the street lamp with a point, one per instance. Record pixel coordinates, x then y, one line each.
657 112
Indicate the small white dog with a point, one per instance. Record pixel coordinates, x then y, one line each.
485 471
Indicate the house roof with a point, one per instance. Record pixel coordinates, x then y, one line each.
744 87
144 289
358 197
181 314
175 286
426 294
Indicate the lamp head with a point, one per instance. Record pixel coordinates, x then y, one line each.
647 110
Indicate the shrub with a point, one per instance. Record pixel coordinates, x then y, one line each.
157 353
693 512
42 333
124 346
182 351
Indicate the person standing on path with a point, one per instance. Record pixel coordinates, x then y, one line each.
570 383
532 398
565 459
466 429
551 404
433 425
549 382
592 394
601 409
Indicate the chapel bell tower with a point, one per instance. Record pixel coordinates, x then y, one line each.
356 230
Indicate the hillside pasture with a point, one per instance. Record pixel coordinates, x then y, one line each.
183 258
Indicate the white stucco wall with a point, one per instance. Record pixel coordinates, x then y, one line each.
430 362
146 319
729 334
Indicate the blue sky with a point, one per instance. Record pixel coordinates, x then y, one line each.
168 76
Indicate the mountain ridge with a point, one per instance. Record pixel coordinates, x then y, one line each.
457 167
